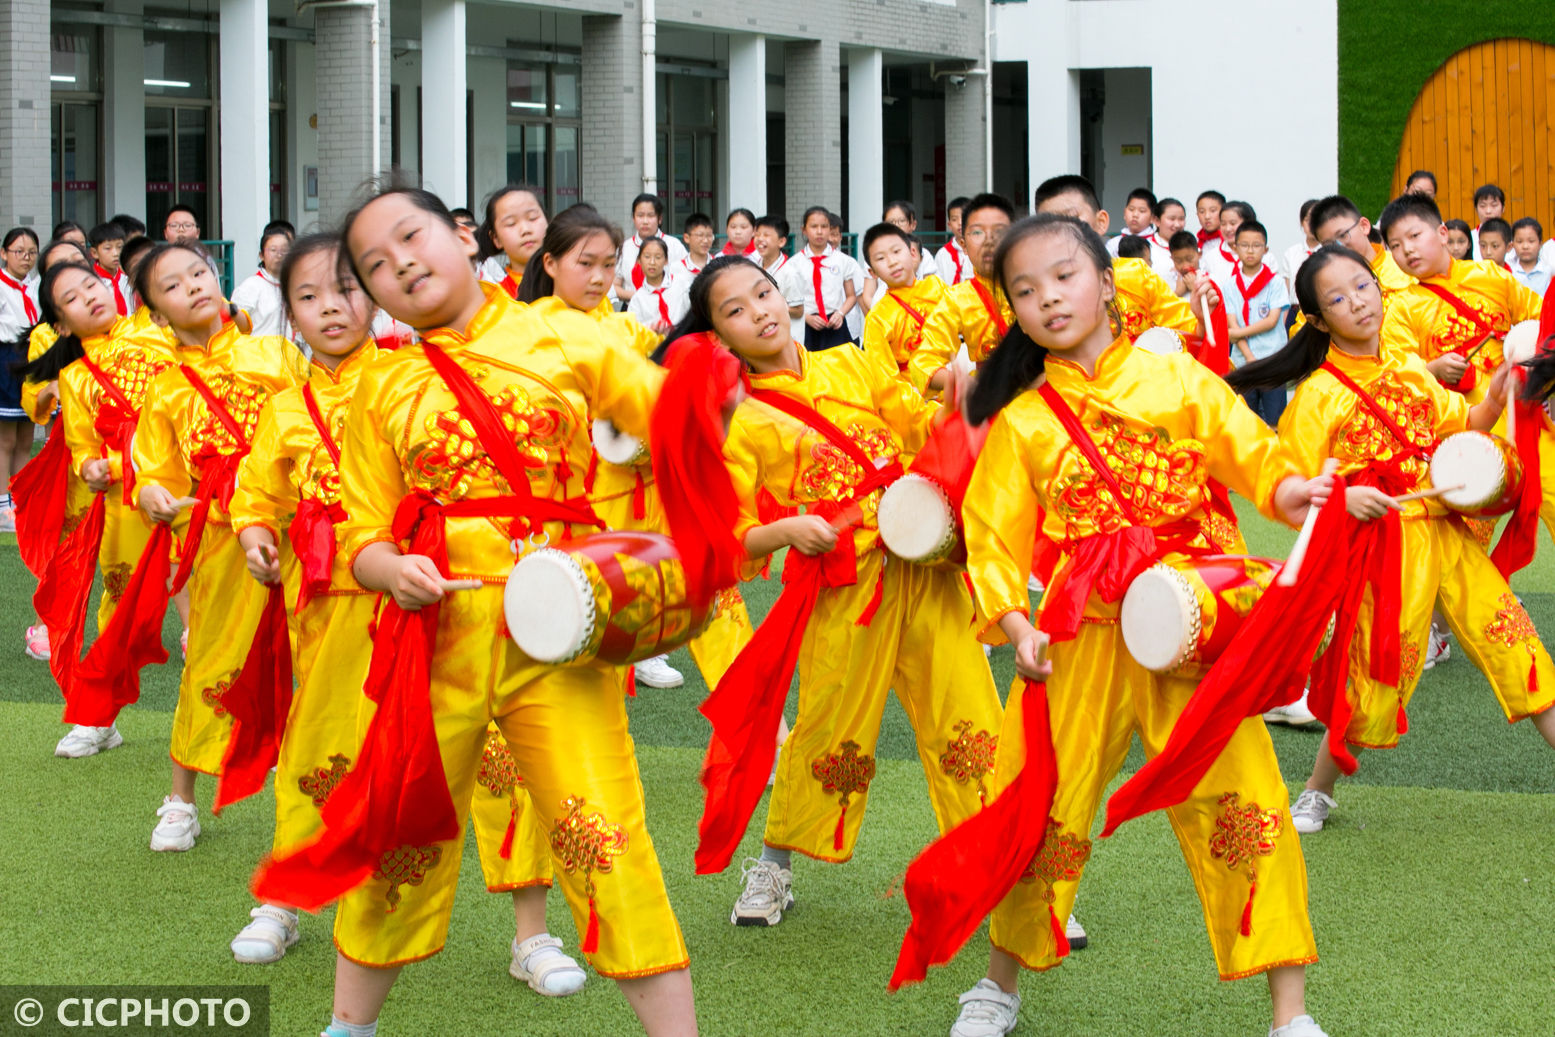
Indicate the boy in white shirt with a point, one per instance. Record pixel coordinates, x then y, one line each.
952 263
1527 264
260 294
698 236
107 241
647 214
1256 301
1138 217
1489 204
1297 254
1208 209
771 239
827 279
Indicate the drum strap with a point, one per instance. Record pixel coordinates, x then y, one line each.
1411 448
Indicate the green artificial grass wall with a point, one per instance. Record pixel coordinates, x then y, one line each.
1387 51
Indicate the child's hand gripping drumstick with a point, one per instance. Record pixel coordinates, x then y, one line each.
1292 567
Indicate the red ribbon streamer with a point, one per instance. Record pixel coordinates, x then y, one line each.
259 701
41 489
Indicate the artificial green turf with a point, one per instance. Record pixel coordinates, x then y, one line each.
1430 889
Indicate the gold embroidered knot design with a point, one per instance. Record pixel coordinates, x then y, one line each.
131 371
1363 439
1408 662
1512 627
1454 330
318 785
213 695
1222 532
116 579
1061 859
842 774
1162 479
498 772
406 866
586 842
727 602
1243 834
207 436
969 756
452 460
72 523
832 476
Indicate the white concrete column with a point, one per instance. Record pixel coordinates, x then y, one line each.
489 81
746 142
1053 112
866 138
124 117
444 143
245 127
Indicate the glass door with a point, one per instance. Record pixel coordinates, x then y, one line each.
75 162
178 165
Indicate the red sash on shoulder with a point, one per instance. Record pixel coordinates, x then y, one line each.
398 792
1516 547
992 307
746 707
312 529
115 422
1468 313
918 319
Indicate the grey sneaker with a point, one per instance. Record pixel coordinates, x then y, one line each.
1311 810
1301 1026
768 893
987 1011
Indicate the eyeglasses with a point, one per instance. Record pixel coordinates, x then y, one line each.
1362 292
1246 246
992 234
1337 238
183 226
22 253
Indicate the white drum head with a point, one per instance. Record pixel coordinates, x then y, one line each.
1160 619
1159 340
915 519
616 446
1522 342
549 606
1473 461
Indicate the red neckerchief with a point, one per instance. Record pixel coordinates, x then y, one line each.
992 307
1207 236
750 246
1264 276
27 304
746 706
113 282
664 309
509 285
955 257
1229 257
692 270
816 265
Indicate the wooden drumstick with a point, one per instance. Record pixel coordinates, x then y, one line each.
1435 491
459 585
1511 406
1298 553
184 502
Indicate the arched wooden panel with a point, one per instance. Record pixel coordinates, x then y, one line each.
1484 118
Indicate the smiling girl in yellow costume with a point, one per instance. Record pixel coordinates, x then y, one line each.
457 451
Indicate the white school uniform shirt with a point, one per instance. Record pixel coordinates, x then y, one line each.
14 321
854 321
683 271
495 268
1294 256
1547 254
953 264
1161 256
1271 297
836 270
260 296
1217 259
633 245
1538 278
786 273
645 304
120 281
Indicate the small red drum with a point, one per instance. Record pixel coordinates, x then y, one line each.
1180 619
918 523
1522 342
1159 340
618 447
618 596
1484 468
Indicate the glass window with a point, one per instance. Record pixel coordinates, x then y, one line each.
76 166
277 165
568 104
527 93
177 65
277 71
568 181
74 63
526 154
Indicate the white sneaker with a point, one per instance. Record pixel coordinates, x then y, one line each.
82 740
7 520
36 642
265 939
987 1011
768 893
1034 585
987 651
1301 1026
1311 811
178 825
658 673
1074 932
1437 650
1294 714
540 962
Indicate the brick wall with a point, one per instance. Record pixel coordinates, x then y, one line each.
812 126
965 155
343 73
611 159
24 116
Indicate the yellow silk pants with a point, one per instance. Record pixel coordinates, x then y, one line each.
1233 829
921 643
1445 568
225 604
566 729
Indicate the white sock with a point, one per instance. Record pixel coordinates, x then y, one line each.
782 858
340 1028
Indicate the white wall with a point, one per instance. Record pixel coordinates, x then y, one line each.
1236 139
488 78
1125 122
302 142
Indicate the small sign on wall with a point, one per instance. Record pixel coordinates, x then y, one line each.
1133 149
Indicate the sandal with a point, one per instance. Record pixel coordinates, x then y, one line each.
265 939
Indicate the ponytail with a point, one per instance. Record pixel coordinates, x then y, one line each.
1014 364
1308 348
66 350
699 310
